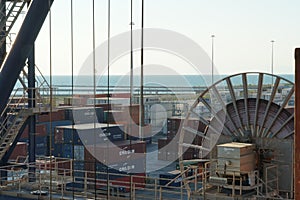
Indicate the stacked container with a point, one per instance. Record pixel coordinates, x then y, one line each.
168 147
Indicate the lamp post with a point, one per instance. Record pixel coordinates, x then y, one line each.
131 62
272 59
131 53
212 59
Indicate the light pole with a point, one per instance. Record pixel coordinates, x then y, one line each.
131 59
212 59
272 59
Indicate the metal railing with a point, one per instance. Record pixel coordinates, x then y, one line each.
67 182
8 19
265 189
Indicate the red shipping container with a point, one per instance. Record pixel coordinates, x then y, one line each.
24 135
174 128
40 130
105 107
20 150
132 130
167 145
131 112
137 181
162 142
55 116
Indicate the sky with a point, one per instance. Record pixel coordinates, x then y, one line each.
243 32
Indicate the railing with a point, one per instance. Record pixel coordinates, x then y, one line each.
55 176
8 19
66 90
16 112
12 119
263 188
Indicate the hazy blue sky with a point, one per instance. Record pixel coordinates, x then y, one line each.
243 29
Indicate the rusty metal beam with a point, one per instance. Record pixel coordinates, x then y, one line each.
297 125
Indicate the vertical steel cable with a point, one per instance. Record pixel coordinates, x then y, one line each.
131 84
108 84
72 90
142 77
108 51
94 94
131 54
51 96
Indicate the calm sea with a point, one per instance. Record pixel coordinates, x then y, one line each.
154 80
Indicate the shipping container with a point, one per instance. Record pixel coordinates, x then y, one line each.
168 145
112 153
161 142
123 183
192 154
75 101
172 156
50 126
79 170
187 153
57 150
20 150
41 145
66 136
105 100
82 115
130 110
166 178
133 130
174 125
162 155
115 95
64 165
133 133
54 116
67 151
41 130
120 183
168 150
105 107
87 134
79 152
129 167
115 116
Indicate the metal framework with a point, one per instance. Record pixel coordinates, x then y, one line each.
246 107
68 183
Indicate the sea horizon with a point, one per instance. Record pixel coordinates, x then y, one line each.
149 80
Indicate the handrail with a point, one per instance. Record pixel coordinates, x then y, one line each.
136 186
174 179
8 19
267 186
